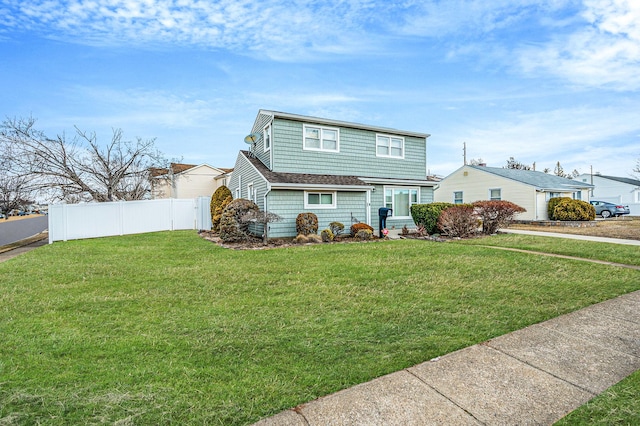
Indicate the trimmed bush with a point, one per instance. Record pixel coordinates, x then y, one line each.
496 214
314 238
305 239
364 234
307 224
458 221
232 226
301 239
551 205
360 226
337 228
219 200
427 215
570 209
327 235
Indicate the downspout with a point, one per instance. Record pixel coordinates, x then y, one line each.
266 206
368 201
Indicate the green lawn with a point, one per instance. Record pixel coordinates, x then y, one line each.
168 328
616 253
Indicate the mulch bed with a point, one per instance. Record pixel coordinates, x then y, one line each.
257 244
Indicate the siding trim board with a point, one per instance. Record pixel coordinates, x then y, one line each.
338 123
392 181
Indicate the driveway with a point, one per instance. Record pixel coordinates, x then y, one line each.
16 230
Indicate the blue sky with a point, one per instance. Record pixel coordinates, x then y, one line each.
542 81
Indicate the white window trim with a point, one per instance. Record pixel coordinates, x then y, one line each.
268 128
322 128
393 199
494 189
251 192
462 198
334 198
401 157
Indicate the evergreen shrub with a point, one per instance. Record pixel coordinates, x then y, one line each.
570 209
364 234
427 215
233 228
359 226
327 235
306 224
337 228
219 200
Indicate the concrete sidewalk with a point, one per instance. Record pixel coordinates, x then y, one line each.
531 376
10 251
571 236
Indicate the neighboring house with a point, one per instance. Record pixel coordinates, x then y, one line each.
526 188
186 181
613 189
337 170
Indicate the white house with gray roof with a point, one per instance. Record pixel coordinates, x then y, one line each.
615 189
338 170
526 188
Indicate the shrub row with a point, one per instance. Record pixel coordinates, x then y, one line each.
462 220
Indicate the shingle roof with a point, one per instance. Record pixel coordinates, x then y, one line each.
621 179
302 178
175 167
538 179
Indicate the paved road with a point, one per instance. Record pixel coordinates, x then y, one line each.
16 230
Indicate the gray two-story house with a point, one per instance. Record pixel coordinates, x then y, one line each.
338 170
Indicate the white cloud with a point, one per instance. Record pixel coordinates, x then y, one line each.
471 17
605 53
283 30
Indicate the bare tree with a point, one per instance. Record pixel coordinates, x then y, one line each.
512 163
79 169
14 192
476 162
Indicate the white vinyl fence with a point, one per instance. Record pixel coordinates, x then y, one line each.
78 221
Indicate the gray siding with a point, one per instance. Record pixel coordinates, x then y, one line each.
377 201
243 174
357 154
288 204
258 128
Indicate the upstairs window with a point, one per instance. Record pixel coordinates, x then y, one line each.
321 138
457 197
495 194
389 146
267 138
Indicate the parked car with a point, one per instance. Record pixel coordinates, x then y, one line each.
606 209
